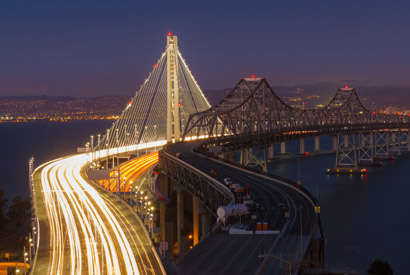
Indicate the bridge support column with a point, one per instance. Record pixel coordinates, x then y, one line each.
245 156
180 220
408 139
301 146
396 139
346 141
366 148
195 219
346 155
283 148
382 144
335 143
205 223
271 151
317 143
162 219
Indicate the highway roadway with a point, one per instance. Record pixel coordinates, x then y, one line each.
274 197
88 230
240 253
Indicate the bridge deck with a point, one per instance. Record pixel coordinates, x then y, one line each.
233 254
227 254
133 231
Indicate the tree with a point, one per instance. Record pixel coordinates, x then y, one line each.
19 207
378 267
3 205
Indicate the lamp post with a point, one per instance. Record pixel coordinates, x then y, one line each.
30 246
123 188
118 181
152 221
301 232
108 149
98 145
141 202
118 148
92 148
24 256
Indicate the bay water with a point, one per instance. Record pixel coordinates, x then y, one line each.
363 217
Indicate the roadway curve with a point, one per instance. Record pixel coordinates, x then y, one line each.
276 197
85 229
129 172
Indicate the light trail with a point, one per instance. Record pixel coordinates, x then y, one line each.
89 234
129 172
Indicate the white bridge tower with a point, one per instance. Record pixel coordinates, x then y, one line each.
173 104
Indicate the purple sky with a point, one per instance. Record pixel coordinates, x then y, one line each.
108 47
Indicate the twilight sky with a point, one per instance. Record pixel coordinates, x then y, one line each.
89 48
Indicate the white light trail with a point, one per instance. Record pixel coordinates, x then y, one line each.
84 230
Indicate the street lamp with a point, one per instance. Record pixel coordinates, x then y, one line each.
25 260
301 232
108 149
123 188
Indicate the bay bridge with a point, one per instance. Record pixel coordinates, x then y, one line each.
82 227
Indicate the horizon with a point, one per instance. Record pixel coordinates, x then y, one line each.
105 48
334 83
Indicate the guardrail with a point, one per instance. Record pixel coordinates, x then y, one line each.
206 189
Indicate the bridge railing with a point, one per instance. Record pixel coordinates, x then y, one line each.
206 189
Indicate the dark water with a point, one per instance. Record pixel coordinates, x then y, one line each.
364 217
43 140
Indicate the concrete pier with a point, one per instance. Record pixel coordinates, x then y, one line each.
283 147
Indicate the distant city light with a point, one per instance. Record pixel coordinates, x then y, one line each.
169 34
252 76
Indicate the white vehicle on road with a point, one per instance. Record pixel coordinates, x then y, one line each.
228 181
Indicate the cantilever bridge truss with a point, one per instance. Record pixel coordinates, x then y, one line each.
253 116
253 108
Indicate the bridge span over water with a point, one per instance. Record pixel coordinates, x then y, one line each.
170 112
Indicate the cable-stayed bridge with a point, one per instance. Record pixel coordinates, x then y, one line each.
161 107
170 107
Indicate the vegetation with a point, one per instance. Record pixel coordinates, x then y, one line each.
378 267
3 206
19 208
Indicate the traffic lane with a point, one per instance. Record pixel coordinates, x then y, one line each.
267 198
295 203
135 234
133 231
263 193
63 181
226 254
